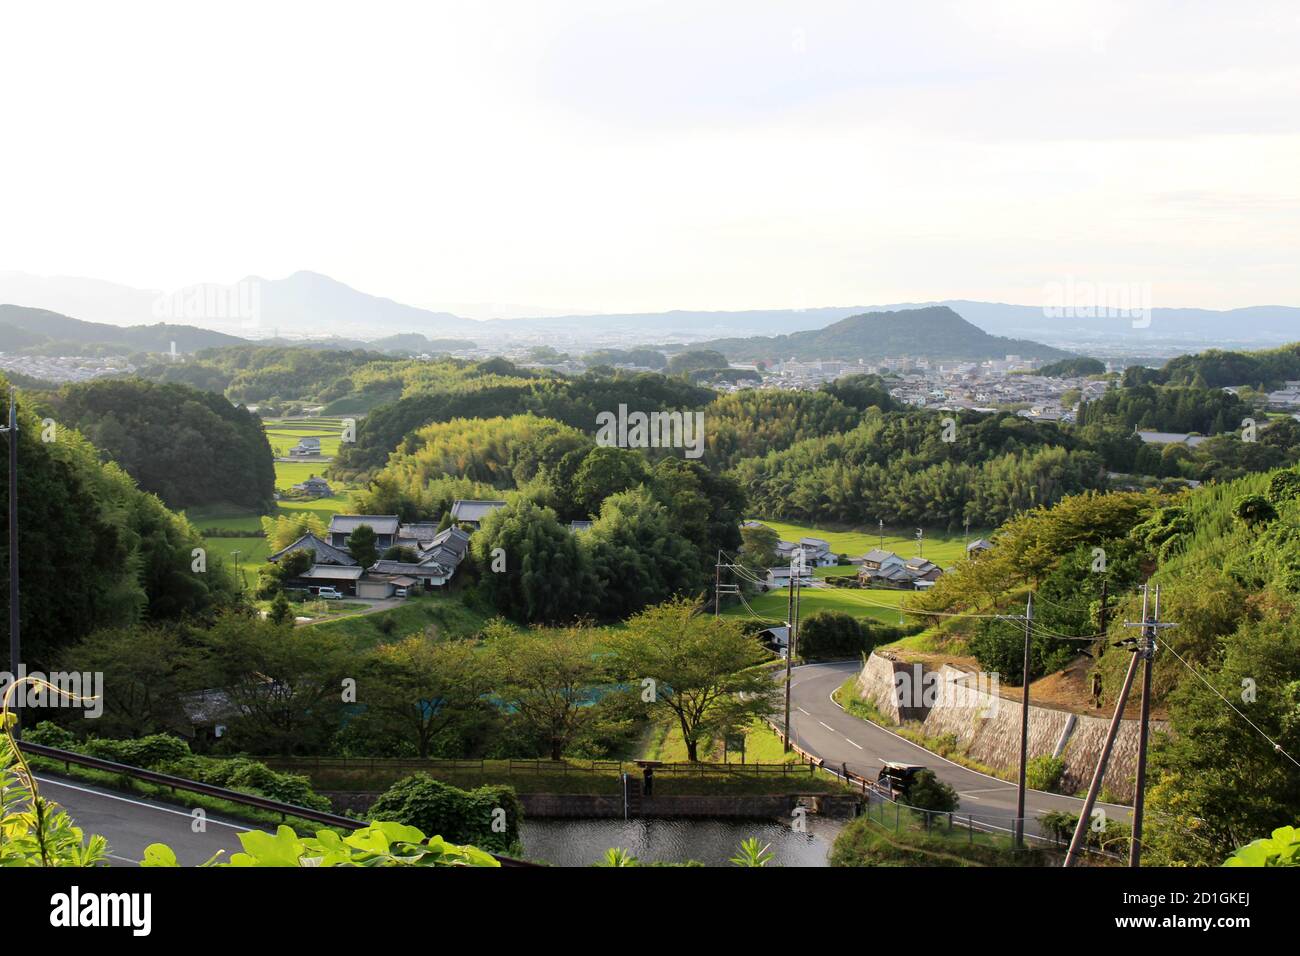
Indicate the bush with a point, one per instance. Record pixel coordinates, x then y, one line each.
487 817
829 634
171 755
928 792
51 734
146 752
1044 773
1112 836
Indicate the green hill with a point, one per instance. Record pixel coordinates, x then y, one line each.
935 332
25 328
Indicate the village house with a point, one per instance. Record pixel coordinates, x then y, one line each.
314 487
385 528
306 448
471 512
781 577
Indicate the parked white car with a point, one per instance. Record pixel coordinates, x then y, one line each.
330 594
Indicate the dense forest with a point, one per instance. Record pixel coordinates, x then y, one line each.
187 446
95 550
1227 557
898 467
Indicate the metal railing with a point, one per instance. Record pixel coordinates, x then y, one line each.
286 810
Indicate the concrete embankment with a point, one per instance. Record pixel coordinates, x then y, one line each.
987 725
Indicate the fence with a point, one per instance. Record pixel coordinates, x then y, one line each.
526 767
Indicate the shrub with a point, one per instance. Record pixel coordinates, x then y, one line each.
1044 773
832 634
1103 834
51 734
928 792
487 817
147 752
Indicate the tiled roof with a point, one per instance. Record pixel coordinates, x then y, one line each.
463 509
325 552
381 524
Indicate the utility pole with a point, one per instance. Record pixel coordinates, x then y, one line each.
966 524
1147 651
789 651
1150 625
239 578
1024 725
882 533
1085 815
791 629
15 644
717 584
920 538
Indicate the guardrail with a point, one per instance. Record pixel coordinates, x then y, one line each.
524 767
69 757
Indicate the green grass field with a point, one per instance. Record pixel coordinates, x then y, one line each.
284 433
941 547
876 604
438 614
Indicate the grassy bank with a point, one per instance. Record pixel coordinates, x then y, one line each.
894 835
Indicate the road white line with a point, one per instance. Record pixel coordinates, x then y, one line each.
964 795
138 803
802 711
859 746
827 726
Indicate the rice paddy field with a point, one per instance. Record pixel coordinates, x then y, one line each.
942 547
876 604
283 434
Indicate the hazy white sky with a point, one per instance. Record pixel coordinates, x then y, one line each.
634 156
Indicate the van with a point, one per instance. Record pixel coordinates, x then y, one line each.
330 594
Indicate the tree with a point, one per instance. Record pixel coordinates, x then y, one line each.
285 529
758 548
637 555
1198 810
361 545
145 670
285 686
696 360
533 569
702 669
606 471
547 678
419 688
829 634
281 612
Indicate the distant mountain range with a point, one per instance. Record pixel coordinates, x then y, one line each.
934 332
22 327
308 304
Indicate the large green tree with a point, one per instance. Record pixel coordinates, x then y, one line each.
532 568
699 670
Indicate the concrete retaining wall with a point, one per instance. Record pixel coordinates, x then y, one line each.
577 805
987 726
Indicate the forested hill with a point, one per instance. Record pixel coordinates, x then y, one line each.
24 328
1227 559
936 332
97 552
187 446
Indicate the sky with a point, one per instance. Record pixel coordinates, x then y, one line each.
526 158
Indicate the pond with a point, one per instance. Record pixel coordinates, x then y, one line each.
711 842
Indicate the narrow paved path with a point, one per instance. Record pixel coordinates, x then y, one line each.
822 727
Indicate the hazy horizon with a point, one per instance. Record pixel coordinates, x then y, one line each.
630 157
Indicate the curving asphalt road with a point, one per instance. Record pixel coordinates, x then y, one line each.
131 823
821 727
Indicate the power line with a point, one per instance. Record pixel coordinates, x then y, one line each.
1275 745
